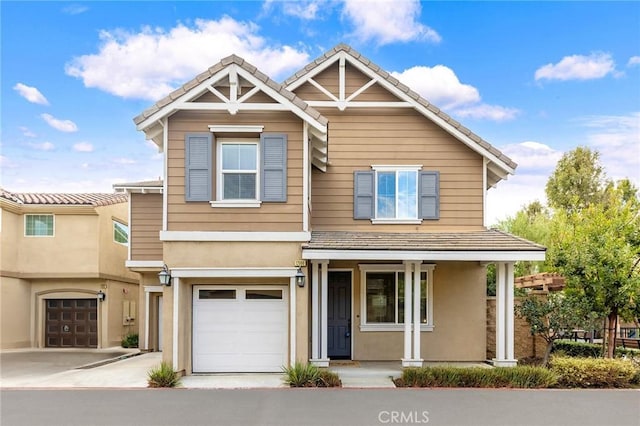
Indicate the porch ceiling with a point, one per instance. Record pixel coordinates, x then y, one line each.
485 245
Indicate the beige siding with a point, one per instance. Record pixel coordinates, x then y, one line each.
146 223
200 216
359 139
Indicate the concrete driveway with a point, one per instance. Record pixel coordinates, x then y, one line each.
24 366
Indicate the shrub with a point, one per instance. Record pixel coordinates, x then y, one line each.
308 375
593 372
588 350
163 377
513 377
130 341
577 349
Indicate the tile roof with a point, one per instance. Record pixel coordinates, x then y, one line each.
403 88
486 240
67 199
237 60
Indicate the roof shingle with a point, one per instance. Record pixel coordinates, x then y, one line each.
486 240
67 199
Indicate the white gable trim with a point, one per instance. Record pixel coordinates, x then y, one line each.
232 105
407 101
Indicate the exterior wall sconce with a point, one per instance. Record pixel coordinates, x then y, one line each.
101 296
165 276
300 278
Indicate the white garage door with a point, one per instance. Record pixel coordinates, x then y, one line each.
239 328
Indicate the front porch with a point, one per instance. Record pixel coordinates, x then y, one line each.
411 298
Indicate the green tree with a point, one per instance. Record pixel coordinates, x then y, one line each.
554 316
577 181
531 222
597 250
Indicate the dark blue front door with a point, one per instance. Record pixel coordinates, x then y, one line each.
339 315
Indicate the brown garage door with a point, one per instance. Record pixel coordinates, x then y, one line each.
72 323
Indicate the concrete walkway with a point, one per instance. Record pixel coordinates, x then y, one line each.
131 372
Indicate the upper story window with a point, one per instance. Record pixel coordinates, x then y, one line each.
396 194
38 225
246 172
238 171
120 233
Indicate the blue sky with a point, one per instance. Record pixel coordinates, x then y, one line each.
535 79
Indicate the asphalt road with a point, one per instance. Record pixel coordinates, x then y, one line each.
300 407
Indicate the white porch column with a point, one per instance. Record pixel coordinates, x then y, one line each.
176 322
315 306
292 320
408 274
146 319
320 296
504 315
417 359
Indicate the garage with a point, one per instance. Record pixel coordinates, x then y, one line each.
239 328
71 323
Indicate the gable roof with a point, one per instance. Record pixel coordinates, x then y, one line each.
199 84
499 166
63 199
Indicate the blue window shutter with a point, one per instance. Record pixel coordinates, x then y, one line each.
273 170
363 196
429 199
198 167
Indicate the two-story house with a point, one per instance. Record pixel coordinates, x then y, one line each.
338 215
63 281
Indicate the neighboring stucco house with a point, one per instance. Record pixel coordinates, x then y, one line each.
63 282
377 195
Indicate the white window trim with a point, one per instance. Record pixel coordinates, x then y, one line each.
364 326
236 128
53 225
219 201
114 232
390 168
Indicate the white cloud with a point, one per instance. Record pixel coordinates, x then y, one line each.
533 156
75 9
303 9
617 138
388 21
44 146
578 67
488 112
27 132
151 63
31 94
536 161
633 61
83 147
441 86
6 163
66 126
124 161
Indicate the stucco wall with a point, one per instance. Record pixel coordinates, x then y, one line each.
458 315
15 313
